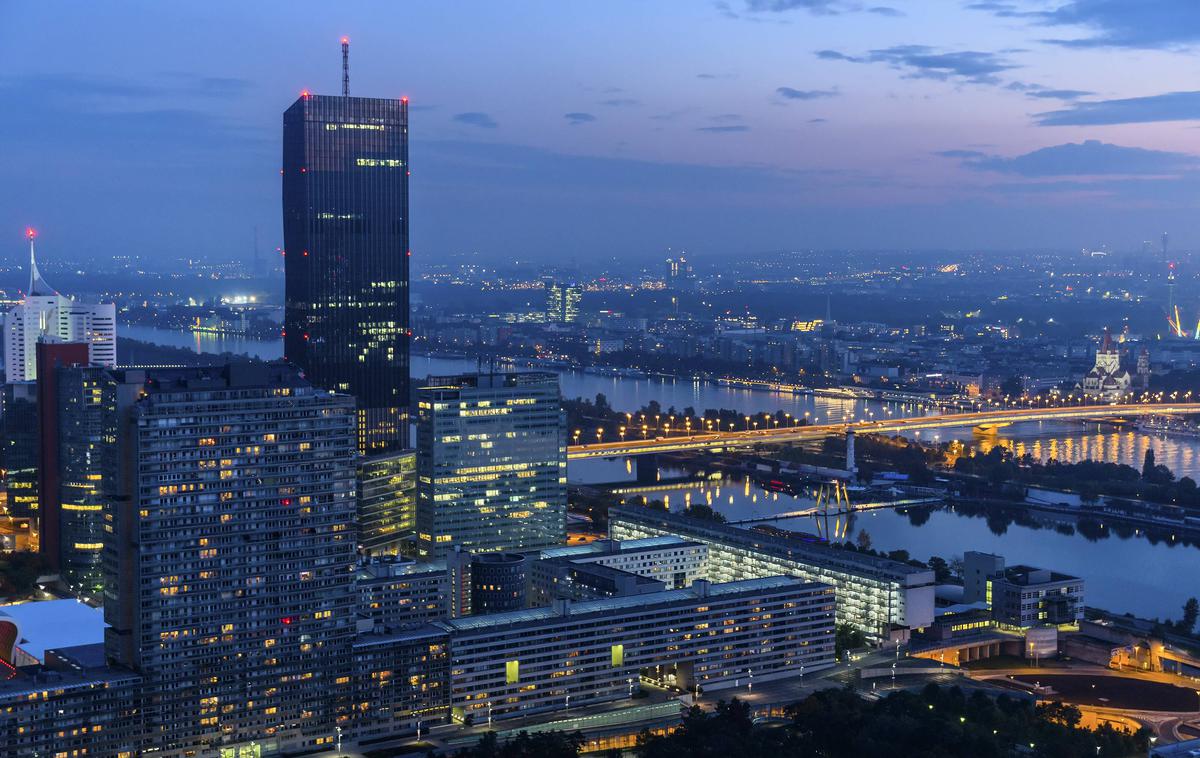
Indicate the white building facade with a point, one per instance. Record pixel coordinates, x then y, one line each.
45 315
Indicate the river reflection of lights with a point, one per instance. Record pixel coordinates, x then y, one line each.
1180 454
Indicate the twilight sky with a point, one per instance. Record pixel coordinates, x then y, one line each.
575 130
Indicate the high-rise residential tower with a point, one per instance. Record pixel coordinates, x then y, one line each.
228 570
491 463
345 228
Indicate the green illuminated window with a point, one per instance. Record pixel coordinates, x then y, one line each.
512 672
618 656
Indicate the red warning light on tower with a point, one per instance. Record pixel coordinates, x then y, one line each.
30 232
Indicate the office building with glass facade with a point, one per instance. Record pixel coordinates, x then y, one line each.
345 230
491 464
76 415
387 501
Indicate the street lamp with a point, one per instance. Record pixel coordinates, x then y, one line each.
630 683
577 433
338 730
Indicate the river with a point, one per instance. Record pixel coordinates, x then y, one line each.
1126 571
204 342
1066 441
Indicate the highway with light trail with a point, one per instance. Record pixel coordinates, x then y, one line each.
753 437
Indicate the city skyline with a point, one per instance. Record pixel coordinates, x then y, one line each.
654 460
721 128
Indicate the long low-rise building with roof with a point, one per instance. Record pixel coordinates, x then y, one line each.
707 636
874 594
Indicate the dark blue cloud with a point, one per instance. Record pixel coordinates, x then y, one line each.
791 93
621 102
1170 106
1130 23
1090 158
778 6
1059 94
960 154
475 118
1046 93
834 55
576 118
923 62
724 129
885 10
70 110
1001 9
77 89
1152 24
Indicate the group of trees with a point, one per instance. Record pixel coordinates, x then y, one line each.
1156 483
698 511
875 452
942 569
1185 626
19 572
937 722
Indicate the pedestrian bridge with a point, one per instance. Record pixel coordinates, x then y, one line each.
753 437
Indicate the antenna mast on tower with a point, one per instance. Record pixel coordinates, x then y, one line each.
345 66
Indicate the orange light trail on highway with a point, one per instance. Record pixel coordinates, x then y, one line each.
709 440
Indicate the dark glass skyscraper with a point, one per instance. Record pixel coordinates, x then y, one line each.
345 230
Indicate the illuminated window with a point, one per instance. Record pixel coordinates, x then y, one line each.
512 672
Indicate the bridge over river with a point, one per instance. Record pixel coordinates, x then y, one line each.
986 419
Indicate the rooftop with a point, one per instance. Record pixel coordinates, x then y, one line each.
780 546
610 605
614 547
247 375
498 380
49 624
1027 575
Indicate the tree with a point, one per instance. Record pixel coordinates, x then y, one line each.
863 540
846 637
1148 465
553 744
1089 494
19 573
941 569
1191 610
1012 386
